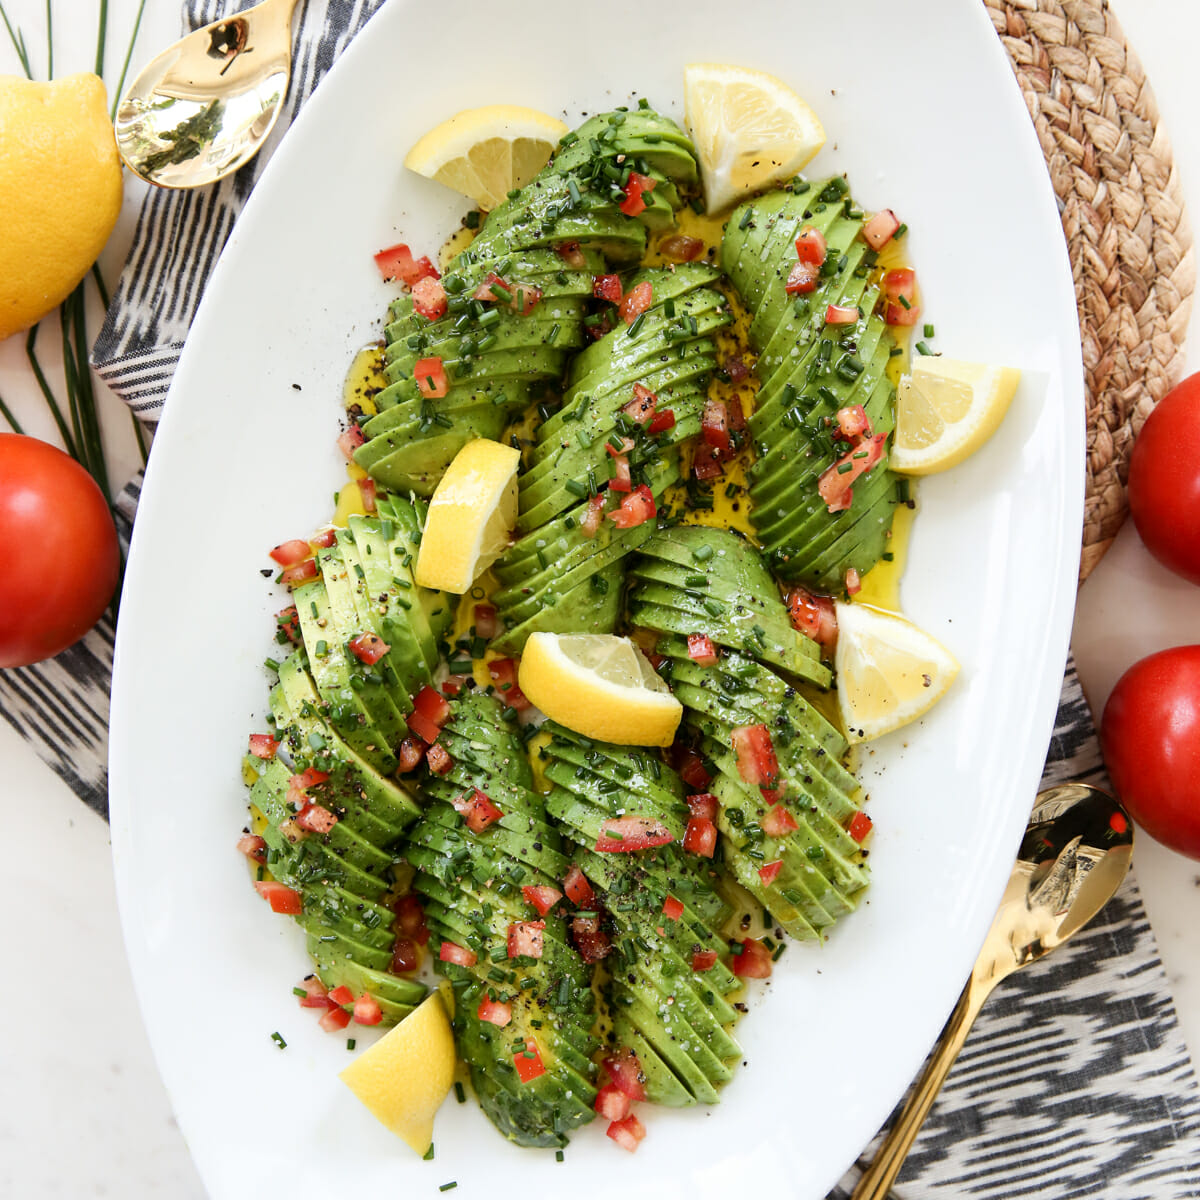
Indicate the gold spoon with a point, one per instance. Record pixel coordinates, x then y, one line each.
1074 855
204 107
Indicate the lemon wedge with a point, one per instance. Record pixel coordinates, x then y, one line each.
486 152
945 410
601 686
60 191
471 515
889 672
750 130
404 1077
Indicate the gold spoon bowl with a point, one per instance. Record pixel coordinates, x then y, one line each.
1075 853
204 106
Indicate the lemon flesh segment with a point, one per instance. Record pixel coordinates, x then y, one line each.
486 152
945 410
404 1077
471 516
750 130
60 191
889 671
600 686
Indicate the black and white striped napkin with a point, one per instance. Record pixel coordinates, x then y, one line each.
1075 1082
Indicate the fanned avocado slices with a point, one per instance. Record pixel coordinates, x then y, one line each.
664 1003
497 350
802 824
564 573
531 1064
808 371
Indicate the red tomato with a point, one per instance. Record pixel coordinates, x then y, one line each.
880 229
636 302
778 822
334 1019
612 1103
288 554
700 837
590 521
263 745
701 650
253 847
300 572
349 441
504 673
367 1010
622 834
431 378
368 648
590 940
672 909
625 1070
770 872
754 961
62 564
495 1012
681 248
578 890
802 279
837 480
526 939
316 996
477 810
860 825
397 262
627 1133
451 952
280 897
841 314
541 897
637 186
755 752
607 287
410 754
1150 735
704 960
528 1062
810 246
1164 480
637 508
429 298
703 804
438 760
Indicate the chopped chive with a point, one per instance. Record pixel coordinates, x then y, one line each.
449 1187
703 553
459 1093
270 664
558 1156
842 468
350 1043
428 1155
277 1038
299 991
901 231
923 348
904 302
636 327
929 331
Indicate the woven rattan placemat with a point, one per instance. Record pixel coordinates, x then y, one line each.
1122 211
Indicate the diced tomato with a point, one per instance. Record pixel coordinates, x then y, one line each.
504 673
310 777
409 755
708 462
636 508
429 299
755 752
612 1103
253 847
704 960
860 826
438 760
900 292
641 407
814 616
494 289
802 279
880 229
487 623
853 422
590 521
661 422
625 1070
837 480
366 493
351 439
703 804
571 254
494 1012
430 703
404 956
280 897
777 822
525 298
701 650
622 478
477 810
840 314
672 908
288 620
635 189
770 872
432 381
316 995
368 648
427 730
810 246
312 818
323 538
714 426
263 745
636 302
525 938
692 770
288 554
590 940
528 1062
396 262
701 837
737 414
334 1019
754 961
578 890
410 919
452 685
620 835
853 582
367 1010
341 995
681 248
451 952
627 1133
542 898
607 287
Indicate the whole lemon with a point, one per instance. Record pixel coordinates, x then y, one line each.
60 191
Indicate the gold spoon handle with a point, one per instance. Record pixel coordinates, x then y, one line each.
878 1178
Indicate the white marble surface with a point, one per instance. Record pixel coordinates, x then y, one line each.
82 1111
